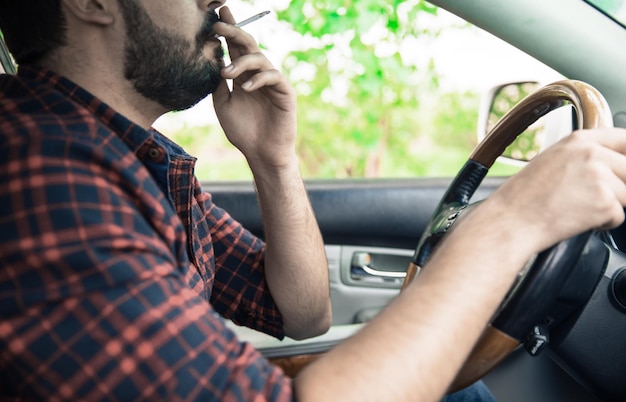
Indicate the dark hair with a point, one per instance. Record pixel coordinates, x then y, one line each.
32 28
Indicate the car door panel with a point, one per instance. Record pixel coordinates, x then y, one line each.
377 219
377 213
382 218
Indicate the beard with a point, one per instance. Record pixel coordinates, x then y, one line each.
162 66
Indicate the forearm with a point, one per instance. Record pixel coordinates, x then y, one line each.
420 341
295 261
259 118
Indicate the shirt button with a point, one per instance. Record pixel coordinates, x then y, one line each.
154 153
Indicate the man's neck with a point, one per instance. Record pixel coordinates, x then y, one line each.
112 89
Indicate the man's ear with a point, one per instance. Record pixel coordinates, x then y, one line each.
99 12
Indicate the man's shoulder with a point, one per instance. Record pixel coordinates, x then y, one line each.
23 96
30 110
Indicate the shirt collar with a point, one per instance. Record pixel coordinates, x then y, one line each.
134 135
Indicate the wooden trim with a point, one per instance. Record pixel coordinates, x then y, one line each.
293 365
411 272
492 347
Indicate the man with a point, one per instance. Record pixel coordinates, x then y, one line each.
110 251
123 239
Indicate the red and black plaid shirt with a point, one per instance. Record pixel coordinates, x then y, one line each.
114 264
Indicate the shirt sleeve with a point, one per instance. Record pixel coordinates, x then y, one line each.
240 292
93 302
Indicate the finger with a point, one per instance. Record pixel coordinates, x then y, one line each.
608 175
608 183
613 137
617 163
227 16
239 42
615 215
249 63
269 78
616 181
605 147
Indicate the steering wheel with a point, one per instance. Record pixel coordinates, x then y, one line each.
543 278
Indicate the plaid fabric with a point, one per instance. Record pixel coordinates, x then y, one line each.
114 265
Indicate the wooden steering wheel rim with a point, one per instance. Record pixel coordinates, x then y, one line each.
591 107
592 112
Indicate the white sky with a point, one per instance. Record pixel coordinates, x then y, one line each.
465 59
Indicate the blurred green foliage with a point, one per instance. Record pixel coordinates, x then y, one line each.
363 116
364 111
614 8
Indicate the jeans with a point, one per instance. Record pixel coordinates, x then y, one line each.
477 392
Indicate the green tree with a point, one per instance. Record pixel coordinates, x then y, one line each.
365 110
359 116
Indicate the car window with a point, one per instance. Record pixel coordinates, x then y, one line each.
615 9
382 92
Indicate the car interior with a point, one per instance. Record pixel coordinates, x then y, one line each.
574 352
567 311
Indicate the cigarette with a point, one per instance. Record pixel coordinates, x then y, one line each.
252 19
249 20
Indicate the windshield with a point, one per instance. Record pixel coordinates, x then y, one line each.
615 9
